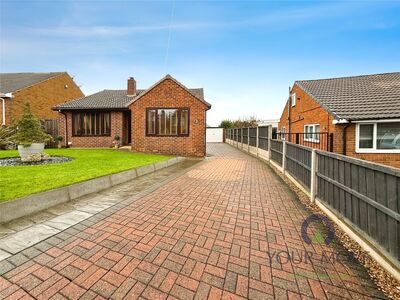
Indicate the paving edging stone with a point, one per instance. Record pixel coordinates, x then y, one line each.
24 206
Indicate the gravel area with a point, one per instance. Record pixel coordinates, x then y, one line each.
16 161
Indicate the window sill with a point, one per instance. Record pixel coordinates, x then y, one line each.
380 151
311 141
161 136
103 135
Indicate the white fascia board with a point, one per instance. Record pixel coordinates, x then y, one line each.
340 121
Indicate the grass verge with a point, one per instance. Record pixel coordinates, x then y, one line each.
19 181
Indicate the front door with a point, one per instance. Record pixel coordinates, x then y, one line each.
126 136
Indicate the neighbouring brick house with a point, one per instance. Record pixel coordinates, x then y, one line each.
41 90
166 118
360 113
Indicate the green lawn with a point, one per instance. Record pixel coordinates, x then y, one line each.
20 181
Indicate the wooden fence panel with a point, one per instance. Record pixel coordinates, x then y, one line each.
366 194
277 151
245 132
263 138
253 137
298 163
50 126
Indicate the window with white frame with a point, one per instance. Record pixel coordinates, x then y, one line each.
378 137
293 99
312 133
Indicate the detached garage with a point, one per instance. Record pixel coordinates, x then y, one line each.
214 135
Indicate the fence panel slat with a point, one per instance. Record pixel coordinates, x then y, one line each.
348 182
298 163
393 199
263 138
371 210
365 194
245 135
253 137
276 151
381 218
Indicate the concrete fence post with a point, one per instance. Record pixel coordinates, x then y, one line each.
313 185
248 139
284 156
257 135
269 135
269 147
241 136
237 137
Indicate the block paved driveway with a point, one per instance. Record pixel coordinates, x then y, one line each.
213 232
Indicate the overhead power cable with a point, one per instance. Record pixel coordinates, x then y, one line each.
169 37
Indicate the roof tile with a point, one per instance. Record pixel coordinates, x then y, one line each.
11 82
110 99
357 98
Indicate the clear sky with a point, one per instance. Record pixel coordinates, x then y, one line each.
245 54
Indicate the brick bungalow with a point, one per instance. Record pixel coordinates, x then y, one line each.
41 90
362 113
166 118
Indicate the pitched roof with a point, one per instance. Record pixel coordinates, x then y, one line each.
11 82
364 97
106 99
197 93
118 99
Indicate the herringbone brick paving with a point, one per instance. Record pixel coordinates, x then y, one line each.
215 232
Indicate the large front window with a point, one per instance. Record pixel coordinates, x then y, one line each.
378 137
167 122
91 124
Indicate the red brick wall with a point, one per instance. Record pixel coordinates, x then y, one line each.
390 159
308 111
168 94
42 97
91 141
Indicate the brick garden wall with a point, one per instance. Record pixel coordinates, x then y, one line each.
168 94
42 97
91 141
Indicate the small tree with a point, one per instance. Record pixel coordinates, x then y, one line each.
29 130
245 122
226 124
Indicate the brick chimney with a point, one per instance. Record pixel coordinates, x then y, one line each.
131 91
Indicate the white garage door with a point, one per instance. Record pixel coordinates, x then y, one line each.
215 135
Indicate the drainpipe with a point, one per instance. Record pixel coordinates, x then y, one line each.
3 96
344 135
345 138
3 123
66 128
